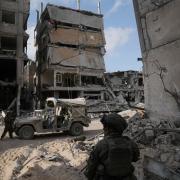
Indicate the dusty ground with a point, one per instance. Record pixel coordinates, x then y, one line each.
47 156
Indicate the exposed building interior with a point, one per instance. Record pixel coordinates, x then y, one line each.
70 53
129 84
13 23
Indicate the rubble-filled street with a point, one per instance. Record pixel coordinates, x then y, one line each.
54 156
89 90
59 156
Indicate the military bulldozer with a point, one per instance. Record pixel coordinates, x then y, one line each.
67 115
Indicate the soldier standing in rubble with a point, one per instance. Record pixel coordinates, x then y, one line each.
112 157
8 122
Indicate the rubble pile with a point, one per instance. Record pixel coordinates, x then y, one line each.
100 106
158 141
146 131
66 159
53 160
87 145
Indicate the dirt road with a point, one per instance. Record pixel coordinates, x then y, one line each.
50 156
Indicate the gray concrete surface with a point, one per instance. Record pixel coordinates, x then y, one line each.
158 23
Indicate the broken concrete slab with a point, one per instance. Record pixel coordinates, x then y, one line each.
71 16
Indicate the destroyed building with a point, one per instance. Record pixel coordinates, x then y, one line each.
158 24
127 83
70 54
13 42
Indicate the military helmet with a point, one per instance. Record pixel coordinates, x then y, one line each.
115 122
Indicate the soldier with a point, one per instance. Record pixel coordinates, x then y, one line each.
112 157
8 121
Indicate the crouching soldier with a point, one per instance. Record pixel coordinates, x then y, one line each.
8 122
112 157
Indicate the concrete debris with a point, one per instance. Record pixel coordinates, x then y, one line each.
79 138
51 160
159 169
100 106
51 157
129 84
131 115
90 143
158 140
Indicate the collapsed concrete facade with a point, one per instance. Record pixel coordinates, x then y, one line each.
158 23
13 42
70 54
129 84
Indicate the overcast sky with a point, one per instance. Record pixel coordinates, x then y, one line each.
120 31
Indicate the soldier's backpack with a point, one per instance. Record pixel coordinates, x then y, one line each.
120 155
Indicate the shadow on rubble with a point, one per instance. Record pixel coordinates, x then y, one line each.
39 139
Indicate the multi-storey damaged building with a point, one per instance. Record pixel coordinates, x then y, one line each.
129 84
13 41
70 53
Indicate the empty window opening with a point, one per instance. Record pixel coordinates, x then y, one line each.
8 43
92 92
7 70
93 97
8 93
68 94
140 82
58 79
8 17
91 80
69 80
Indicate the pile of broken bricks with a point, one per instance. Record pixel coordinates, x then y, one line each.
159 143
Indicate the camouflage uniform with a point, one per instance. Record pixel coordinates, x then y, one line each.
112 157
9 121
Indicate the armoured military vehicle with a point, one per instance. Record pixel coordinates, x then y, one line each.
67 115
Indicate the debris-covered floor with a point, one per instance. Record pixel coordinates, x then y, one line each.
53 157
60 156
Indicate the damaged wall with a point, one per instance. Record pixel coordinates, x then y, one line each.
74 17
158 24
72 57
76 37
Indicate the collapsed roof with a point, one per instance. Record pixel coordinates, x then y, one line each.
71 16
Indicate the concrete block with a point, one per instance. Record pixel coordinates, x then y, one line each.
159 28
